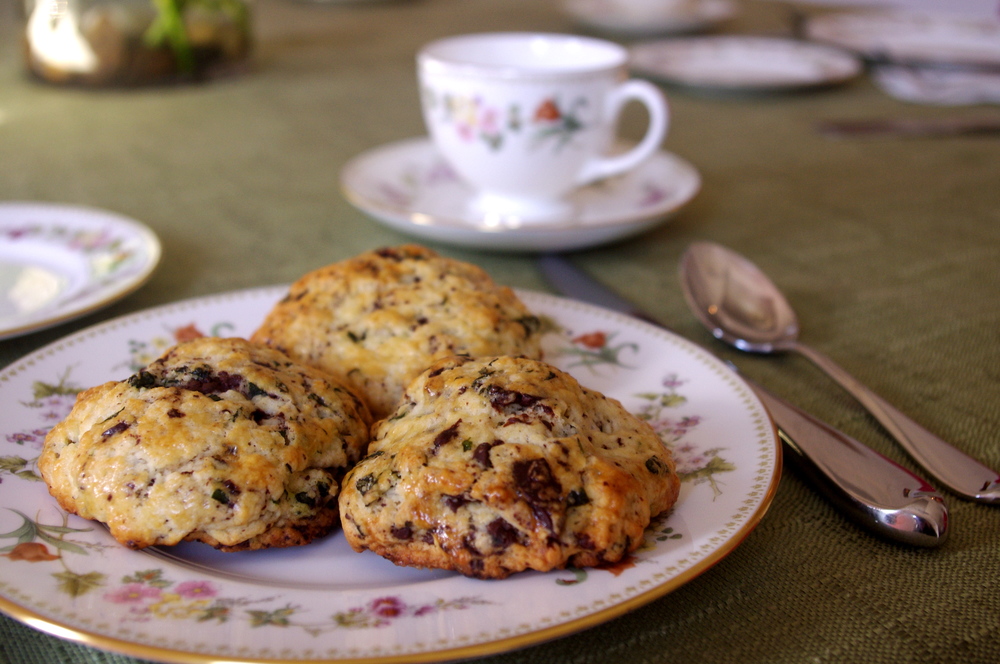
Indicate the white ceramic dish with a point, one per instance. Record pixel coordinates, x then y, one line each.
344 2
646 18
58 262
407 186
743 63
323 602
911 37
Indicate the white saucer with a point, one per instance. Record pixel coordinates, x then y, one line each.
407 186
911 37
59 262
743 63
645 18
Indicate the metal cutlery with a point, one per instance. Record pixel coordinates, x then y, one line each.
742 307
910 127
874 491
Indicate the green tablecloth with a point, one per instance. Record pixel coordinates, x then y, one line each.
889 249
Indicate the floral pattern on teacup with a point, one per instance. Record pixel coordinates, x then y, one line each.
549 123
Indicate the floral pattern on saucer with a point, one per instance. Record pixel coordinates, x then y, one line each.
409 187
550 124
108 252
91 258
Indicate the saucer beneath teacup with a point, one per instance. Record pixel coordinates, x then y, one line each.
408 186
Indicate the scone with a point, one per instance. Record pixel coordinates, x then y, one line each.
492 466
380 318
219 440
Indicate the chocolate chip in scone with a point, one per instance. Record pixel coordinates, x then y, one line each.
547 473
219 440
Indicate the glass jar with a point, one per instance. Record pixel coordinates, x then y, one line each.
135 42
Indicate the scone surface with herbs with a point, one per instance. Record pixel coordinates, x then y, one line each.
492 466
219 440
380 318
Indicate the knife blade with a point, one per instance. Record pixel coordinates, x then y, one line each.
909 127
871 489
961 65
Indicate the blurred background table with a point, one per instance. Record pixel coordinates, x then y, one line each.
888 247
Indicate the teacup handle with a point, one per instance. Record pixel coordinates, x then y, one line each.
659 120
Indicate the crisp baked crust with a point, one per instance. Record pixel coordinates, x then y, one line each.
219 440
496 465
377 320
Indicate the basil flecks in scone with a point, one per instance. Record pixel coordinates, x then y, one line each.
219 440
380 318
496 465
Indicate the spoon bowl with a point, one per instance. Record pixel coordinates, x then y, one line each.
736 301
742 307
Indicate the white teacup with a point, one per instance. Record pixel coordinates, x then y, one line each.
526 118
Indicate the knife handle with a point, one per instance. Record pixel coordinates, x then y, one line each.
952 468
873 490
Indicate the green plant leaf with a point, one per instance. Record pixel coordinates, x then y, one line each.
12 464
168 30
60 543
25 532
75 585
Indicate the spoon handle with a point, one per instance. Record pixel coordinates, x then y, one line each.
871 489
884 497
957 471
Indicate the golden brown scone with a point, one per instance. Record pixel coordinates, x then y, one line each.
380 318
219 440
495 465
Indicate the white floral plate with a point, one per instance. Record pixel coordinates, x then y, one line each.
733 62
58 262
323 602
407 186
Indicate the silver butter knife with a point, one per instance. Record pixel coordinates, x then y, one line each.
871 489
909 127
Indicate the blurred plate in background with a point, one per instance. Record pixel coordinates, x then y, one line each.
743 63
910 36
646 18
58 262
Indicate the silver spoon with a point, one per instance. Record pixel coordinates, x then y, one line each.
742 307
876 492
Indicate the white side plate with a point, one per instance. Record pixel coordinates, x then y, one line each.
58 262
